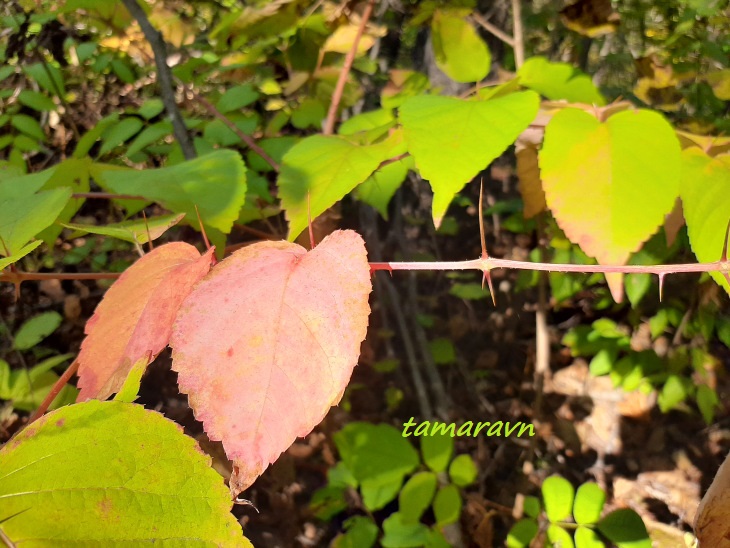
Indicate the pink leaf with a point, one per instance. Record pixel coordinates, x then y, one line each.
134 319
266 344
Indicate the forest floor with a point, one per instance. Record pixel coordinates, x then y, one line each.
586 430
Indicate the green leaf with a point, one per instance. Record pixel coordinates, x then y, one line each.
93 135
36 329
587 538
48 76
326 168
442 351
372 119
447 505
416 496
36 100
632 162
399 533
380 187
463 471
130 389
705 191
437 451
459 51
237 97
625 529
708 402
28 125
138 231
275 147
531 506
151 108
71 173
310 113
557 536
522 533
588 505
360 532
557 493
452 139
559 81
119 133
148 136
215 183
375 452
109 473
22 252
469 292
24 212
26 388
377 492
674 392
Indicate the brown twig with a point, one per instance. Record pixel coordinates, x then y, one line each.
55 389
329 125
518 40
489 27
164 77
235 129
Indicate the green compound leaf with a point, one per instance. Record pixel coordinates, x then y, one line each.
588 505
452 139
522 533
609 185
559 537
460 52
447 505
215 183
559 81
625 529
416 496
399 533
705 191
587 538
360 532
463 471
437 451
326 167
36 329
557 493
111 474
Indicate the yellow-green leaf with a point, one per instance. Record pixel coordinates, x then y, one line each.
460 53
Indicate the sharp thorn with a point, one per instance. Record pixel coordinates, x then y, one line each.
487 276
481 219
726 275
202 229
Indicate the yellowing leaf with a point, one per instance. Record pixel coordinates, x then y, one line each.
266 343
559 81
460 52
529 184
705 192
712 524
342 39
609 185
720 83
134 319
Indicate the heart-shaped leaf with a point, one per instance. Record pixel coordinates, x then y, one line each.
266 343
609 185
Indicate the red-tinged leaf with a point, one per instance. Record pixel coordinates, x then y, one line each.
134 320
266 344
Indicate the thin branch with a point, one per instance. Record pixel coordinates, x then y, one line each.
496 31
517 32
164 77
60 383
107 196
329 125
235 129
491 263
